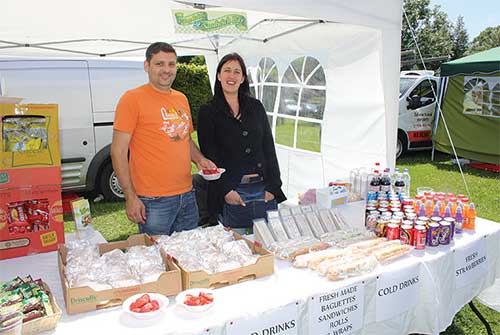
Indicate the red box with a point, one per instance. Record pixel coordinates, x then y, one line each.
31 213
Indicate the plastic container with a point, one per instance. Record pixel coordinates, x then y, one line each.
162 301
212 176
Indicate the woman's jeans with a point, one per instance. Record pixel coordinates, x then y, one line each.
252 194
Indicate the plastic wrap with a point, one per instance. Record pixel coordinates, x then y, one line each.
262 233
351 268
316 226
290 227
327 220
303 225
277 229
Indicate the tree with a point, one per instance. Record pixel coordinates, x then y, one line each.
460 39
432 30
487 39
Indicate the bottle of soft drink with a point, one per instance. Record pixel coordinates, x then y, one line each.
394 177
374 180
459 221
399 184
385 181
407 181
471 216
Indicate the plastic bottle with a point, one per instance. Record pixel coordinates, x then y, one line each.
459 221
394 177
407 181
447 211
471 216
399 184
421 211
385 181
428 208
435 212
375 181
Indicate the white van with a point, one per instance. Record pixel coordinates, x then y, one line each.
417 104
87 91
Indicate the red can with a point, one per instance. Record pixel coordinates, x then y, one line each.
406 234
392 232
420 237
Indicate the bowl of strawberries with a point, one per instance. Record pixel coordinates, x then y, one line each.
211 174
145 306
196 299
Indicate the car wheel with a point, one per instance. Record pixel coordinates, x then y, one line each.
401 145
109 185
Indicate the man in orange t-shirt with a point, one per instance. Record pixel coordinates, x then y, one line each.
153 125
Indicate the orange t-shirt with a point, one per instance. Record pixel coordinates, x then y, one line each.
160 125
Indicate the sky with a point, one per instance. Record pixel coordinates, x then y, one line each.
478 14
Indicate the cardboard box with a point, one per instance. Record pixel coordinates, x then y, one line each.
83 299
16 244
201 279
331 196
11 156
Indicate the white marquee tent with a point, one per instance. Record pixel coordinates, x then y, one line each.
327 71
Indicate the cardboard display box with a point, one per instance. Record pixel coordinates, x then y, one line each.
38 151
201 279
17 186
83 299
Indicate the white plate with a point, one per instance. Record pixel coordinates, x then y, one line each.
162 301
181 297
214 176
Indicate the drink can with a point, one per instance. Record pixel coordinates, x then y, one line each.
423 218
392 232
407 222
381 228
395 221
452 223
411 216
371 222
445 233
420 237
406 234
398 214
370 208
433 233
407 201
395 209
408 207
383 210
436 219
421 223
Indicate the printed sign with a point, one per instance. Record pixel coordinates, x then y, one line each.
397 292
470 263
203 22
337 312
280 321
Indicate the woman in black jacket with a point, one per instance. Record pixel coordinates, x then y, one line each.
233 132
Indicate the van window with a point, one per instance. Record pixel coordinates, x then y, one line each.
405 84
425 92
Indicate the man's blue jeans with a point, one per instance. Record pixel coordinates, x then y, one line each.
237 216
165 215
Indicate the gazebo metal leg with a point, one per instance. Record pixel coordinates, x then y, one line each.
481 317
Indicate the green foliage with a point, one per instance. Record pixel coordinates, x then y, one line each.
460 39
192 80
487 39
432 29
196 60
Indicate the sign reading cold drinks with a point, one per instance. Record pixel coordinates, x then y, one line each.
397 292
338 312
279 321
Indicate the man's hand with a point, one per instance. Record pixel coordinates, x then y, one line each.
233 198
268 196
205 163
136 212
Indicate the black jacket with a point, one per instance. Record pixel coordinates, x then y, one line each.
240 146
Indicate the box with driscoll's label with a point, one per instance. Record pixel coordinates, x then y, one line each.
31 214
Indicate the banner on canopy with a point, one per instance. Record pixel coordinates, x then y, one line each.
204 22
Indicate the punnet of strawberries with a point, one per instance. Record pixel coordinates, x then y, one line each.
144 304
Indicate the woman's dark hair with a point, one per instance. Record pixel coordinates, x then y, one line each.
243 91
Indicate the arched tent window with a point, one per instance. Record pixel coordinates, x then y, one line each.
266 85
302 105
477 96
495 100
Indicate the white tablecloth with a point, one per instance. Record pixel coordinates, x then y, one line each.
436 306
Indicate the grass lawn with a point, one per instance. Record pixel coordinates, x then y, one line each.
441 175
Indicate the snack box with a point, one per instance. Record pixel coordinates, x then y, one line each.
331 196
37 152
20 190
83 299
201 279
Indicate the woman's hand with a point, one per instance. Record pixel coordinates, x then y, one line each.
268 196
233 198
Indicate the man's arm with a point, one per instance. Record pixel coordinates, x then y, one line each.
119 155
198 158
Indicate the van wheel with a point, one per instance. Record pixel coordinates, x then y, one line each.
401 145
109 185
